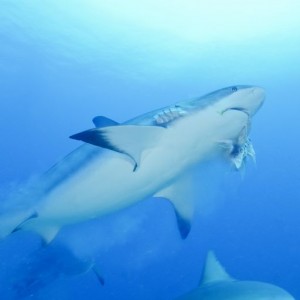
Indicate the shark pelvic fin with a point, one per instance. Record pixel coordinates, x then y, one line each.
101 121
48 233
181 196
213 270
127 139
13 221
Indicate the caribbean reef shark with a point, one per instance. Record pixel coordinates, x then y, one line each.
30 273
151 155
216 284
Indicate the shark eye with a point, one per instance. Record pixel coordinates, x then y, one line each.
234 89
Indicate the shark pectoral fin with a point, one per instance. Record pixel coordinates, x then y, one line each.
101 121
181 196
127 139
48 233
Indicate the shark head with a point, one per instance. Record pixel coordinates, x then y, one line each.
247 99
229 111
244 98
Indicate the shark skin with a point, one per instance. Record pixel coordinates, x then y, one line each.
150 155
216 284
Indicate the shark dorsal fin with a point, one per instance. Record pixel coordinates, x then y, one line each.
101 121
213 270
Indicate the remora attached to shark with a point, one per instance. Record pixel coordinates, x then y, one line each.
216 284
151 155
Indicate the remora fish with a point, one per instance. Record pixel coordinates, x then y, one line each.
151 155
216 284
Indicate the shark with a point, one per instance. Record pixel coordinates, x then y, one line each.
217 284
40 268
151 155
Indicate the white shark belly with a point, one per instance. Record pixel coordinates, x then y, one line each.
109 185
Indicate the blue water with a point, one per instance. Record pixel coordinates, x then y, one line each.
64 62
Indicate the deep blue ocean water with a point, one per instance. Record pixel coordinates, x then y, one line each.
64 62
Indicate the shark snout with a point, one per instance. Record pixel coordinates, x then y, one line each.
246 99
255 100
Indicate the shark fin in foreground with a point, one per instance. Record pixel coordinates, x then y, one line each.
127 139
216 284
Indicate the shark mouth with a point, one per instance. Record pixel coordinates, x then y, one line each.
240 109
241 151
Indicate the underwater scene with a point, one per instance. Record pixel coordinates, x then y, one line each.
149 149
